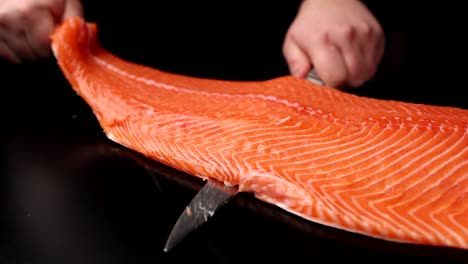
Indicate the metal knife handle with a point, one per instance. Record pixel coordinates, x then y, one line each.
313 77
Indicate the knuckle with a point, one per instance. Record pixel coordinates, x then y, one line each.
296 30
324 37
365 29
347 31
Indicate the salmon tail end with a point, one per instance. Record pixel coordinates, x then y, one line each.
71 42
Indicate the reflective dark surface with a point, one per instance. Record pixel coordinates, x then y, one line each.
69 195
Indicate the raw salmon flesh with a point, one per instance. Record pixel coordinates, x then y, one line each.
392 170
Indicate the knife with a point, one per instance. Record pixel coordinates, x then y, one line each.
210 199
312 76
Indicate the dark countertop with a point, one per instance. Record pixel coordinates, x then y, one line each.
69 195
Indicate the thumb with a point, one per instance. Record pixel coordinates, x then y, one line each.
296 58
73 8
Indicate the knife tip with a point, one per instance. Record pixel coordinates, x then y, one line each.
171 243
167 248
209 199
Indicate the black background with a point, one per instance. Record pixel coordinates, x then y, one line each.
68 195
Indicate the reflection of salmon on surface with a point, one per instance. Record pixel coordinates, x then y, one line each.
392 170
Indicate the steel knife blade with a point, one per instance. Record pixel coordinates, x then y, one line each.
208 200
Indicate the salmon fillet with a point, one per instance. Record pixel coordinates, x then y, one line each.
392 170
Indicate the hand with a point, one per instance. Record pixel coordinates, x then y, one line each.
341 39
26 25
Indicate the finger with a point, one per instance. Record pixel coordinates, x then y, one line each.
18 43
297 60
367 38
13 38
37 35
379 50
73 8
347 42
371 42
378 37
14 34
330 63
7 53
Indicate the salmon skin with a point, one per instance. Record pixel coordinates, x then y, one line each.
391 170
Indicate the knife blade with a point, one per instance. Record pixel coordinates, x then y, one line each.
212 197
312 76
208 200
